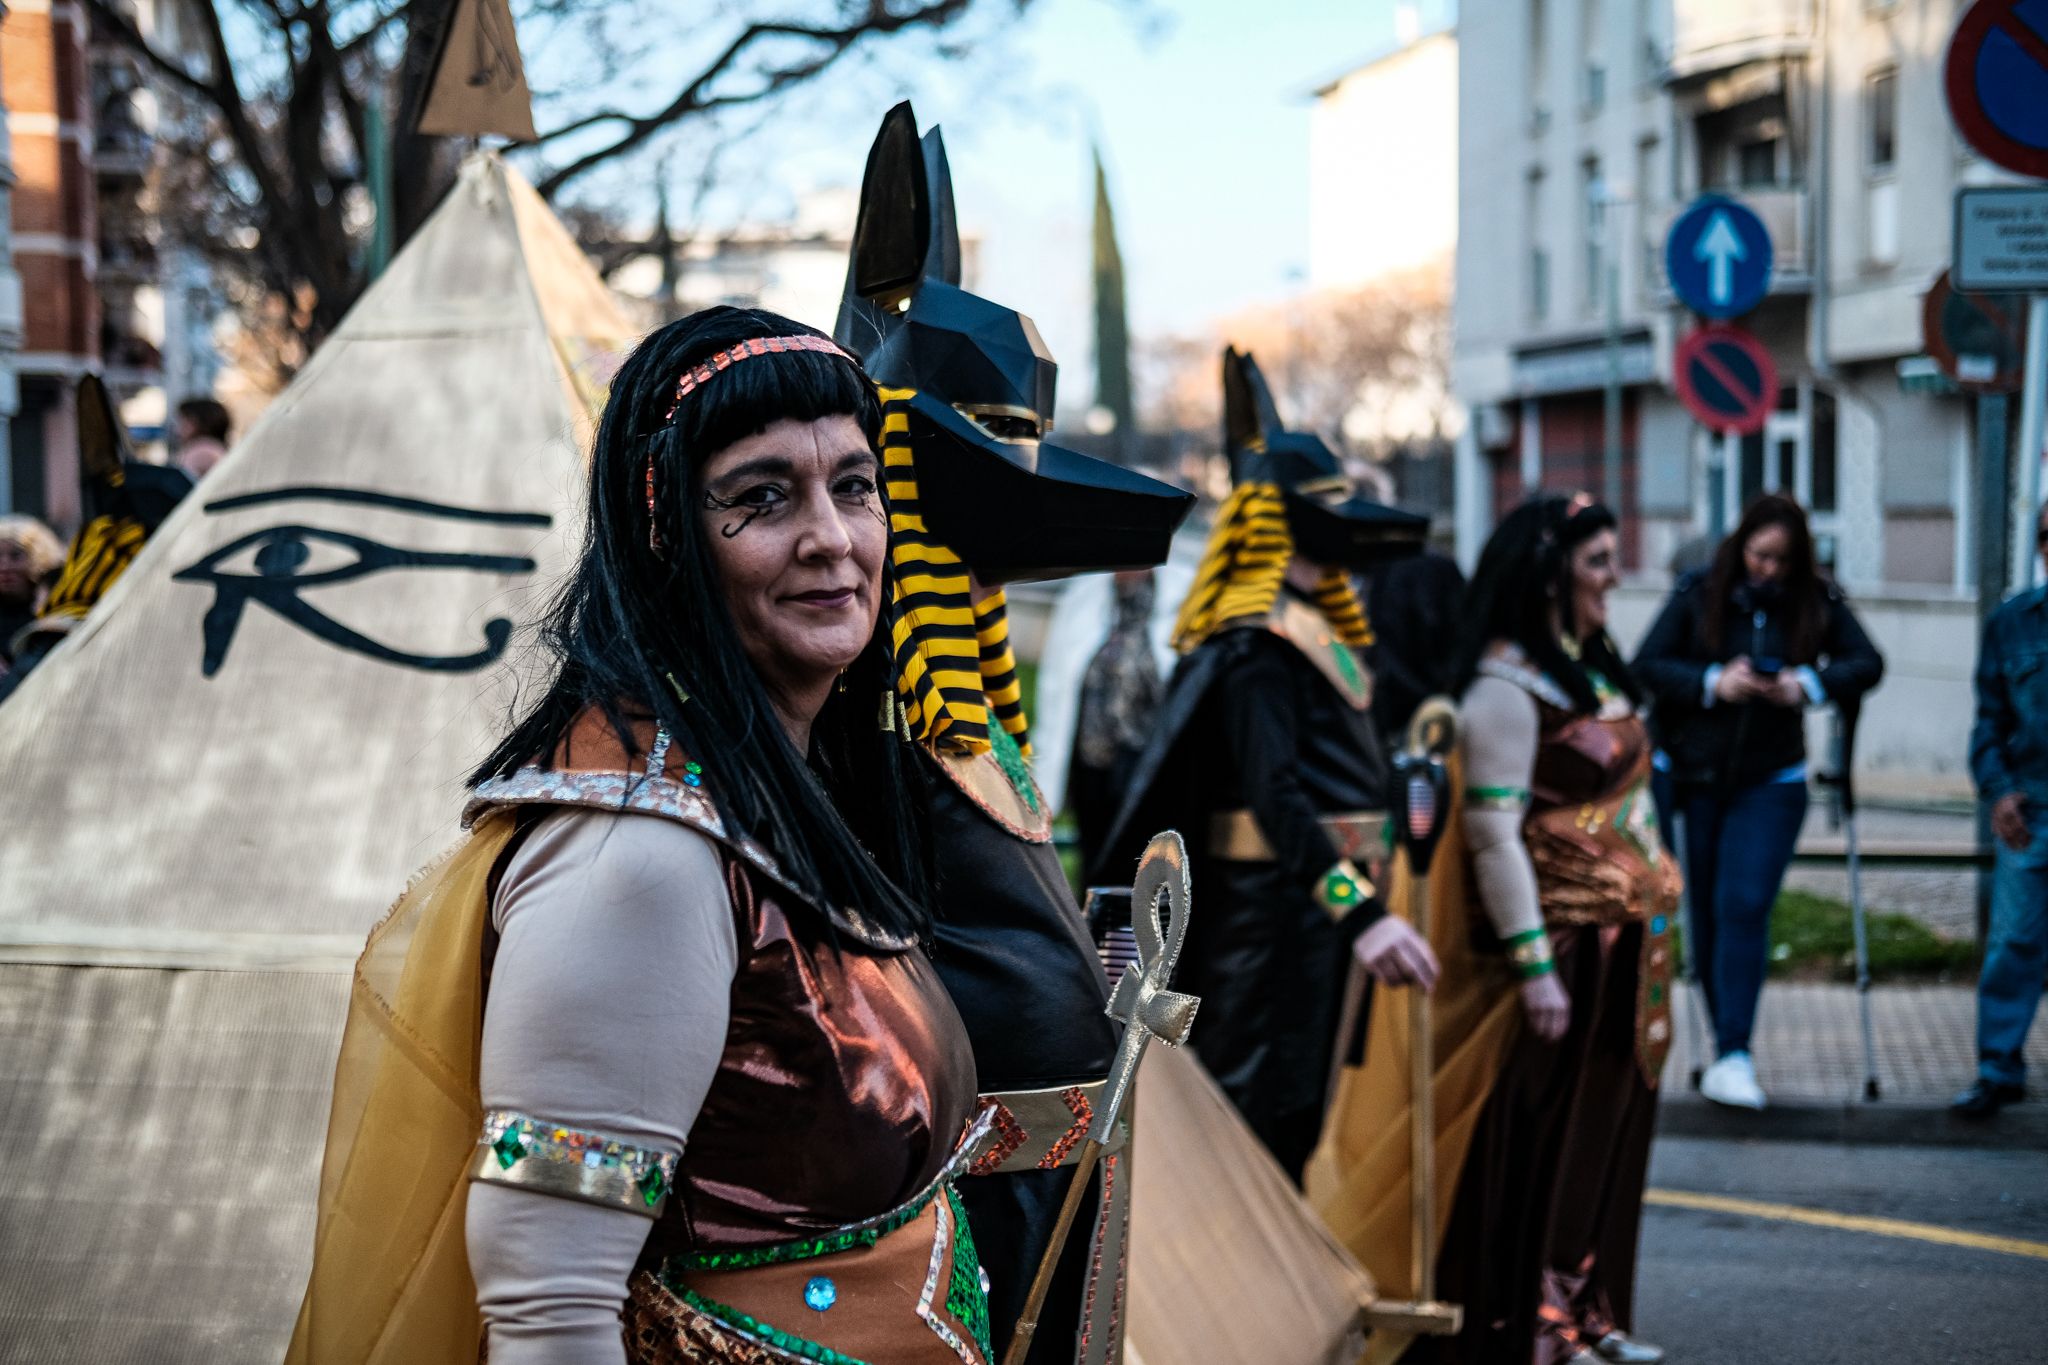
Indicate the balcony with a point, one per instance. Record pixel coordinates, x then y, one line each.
1786 213
1708 36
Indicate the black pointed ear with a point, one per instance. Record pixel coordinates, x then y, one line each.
102 440
942 257
893 233
1264 410
1240 412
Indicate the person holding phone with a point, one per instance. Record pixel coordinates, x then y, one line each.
1733 661
2009 761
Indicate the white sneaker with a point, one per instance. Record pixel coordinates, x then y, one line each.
1732 1081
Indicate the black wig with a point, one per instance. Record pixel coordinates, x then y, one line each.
642 623
1524 573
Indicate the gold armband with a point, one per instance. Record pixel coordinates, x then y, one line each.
571 1164
1342 889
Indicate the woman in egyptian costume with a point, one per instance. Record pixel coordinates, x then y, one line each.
654 1066
1551 911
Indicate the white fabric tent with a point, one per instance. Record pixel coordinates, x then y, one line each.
216 786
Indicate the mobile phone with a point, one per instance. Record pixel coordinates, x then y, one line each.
1767 667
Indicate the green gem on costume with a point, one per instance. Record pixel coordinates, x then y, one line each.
1340 889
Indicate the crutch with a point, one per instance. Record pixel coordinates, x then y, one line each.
1702 1017
1844 782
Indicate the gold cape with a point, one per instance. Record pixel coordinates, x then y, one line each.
1358 1178
390 1282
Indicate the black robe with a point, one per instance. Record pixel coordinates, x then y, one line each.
1251 721
1016 956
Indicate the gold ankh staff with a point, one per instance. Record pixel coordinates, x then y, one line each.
1147 1010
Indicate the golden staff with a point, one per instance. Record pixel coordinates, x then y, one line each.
1148 1010
1421 801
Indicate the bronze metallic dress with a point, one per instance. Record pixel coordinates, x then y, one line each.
1541 1245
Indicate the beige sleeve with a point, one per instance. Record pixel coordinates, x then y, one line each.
607 1013
1498 728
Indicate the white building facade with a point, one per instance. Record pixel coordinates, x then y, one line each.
1586 126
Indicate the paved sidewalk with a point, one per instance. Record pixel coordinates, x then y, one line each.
1809 1055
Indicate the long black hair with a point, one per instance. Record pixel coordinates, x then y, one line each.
1524 572
638 624
1805 594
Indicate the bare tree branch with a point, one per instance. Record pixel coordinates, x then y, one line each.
694 97
123 28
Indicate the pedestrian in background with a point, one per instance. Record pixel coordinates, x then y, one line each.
2009 762
202 427
30 556
1732 662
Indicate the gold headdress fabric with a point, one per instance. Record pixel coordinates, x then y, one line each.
953 657
1242 569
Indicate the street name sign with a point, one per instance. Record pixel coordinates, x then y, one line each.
1726 378
1978 340
1718 257
1996 79
2001 238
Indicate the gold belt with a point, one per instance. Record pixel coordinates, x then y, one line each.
1359 835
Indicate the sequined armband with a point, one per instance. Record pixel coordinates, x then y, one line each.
571 1164
1529 952
1342 889
1496 798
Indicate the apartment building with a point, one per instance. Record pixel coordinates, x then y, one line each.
1585 127
105 288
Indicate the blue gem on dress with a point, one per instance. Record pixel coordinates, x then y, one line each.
820 1293
1657 924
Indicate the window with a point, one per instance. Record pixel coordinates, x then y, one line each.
1756 163
1539 258
1537 50
1823 498
1881 115
1651 246
1593 56
1593 198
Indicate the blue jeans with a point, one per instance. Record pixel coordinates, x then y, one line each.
2015 955
1737 847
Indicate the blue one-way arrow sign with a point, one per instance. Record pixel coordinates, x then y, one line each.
1718 257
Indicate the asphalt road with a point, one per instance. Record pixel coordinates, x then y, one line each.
1716 1286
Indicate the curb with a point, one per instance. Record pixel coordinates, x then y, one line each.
1889 1123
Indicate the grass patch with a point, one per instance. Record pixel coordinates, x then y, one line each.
1813 938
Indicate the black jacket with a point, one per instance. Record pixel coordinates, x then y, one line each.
1728 746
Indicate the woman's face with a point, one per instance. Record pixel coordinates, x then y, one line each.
1593 576
1767 554
797 531
17 576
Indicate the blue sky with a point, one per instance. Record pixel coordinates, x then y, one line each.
1201 108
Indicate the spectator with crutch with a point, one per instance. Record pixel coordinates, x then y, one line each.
2009 762
1733 660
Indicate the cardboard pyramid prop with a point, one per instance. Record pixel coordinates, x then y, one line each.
218 784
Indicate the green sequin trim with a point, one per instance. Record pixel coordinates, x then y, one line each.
1010 758
761 1331
964 1297
747 1258
1346 664
1526 936
1517 794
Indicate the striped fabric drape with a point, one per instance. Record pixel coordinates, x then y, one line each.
100 553
953 656
1242 569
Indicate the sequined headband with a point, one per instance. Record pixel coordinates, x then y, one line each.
746 350
700 374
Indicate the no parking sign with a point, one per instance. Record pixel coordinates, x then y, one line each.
1726 378
1997 82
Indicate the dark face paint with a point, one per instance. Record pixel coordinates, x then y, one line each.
284 559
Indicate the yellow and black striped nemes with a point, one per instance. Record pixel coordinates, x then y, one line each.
953 657
1242 569
100 553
